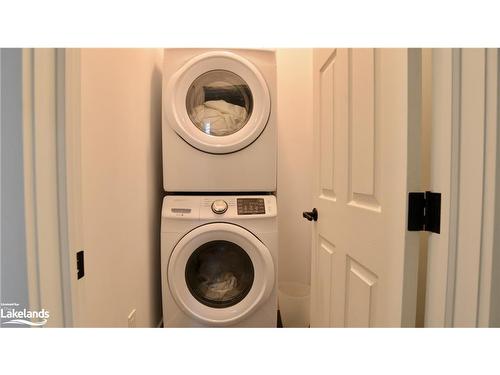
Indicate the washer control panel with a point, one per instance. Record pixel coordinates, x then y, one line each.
218 207
250 206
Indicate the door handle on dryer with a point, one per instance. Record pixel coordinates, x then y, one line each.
311 215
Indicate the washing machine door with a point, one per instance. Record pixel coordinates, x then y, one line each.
220 273
218 102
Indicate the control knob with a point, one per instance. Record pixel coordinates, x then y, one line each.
219 206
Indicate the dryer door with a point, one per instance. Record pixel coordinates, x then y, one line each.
220 273
218 102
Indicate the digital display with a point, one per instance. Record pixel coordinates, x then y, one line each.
251 206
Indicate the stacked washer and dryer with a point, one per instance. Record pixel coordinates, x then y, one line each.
219 239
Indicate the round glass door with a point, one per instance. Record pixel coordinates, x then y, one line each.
219 274
219 103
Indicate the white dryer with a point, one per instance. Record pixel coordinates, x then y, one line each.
219 120
219 261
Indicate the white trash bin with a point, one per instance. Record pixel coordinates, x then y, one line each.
293 300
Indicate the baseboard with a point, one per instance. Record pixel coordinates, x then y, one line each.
160 324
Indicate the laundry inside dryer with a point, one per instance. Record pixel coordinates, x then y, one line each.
219 102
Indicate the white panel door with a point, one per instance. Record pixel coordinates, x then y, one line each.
366 131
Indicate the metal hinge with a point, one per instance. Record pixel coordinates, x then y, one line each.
80 267
424 211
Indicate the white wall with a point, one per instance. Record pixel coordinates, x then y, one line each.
121 186
295 158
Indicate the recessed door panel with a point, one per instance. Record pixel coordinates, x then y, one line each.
362 120
362 129
325 285
327 81
360 292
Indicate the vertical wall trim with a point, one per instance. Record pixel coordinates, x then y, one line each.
42 187
60 64
454 185
30 183
494 308
413 92
488 296
71 122
462 280
486 184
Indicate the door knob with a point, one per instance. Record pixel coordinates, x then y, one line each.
312 215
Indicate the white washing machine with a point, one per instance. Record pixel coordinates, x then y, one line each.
219 120
219 261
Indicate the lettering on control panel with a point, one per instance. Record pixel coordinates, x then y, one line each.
181 210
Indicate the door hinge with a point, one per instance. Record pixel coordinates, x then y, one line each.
424 211
80 267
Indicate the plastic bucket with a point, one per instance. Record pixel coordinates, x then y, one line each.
293 299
